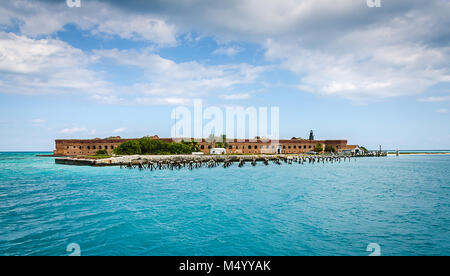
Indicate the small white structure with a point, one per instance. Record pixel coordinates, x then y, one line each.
352 149
197 153
218 151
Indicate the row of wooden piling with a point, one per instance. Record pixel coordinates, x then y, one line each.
147 164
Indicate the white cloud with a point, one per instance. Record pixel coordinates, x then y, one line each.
107 99
442 110
174 82
164 101
45 66
23 55
337 48
39 121
42 18
435 99
50 66
241 96
139 28
373 72
229 51
75 130
119 130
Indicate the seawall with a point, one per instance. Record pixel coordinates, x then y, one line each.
185 159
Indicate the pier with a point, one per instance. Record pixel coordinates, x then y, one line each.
176 162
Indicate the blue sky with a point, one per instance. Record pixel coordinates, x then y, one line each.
370 75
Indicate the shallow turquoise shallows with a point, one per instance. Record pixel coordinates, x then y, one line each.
401 203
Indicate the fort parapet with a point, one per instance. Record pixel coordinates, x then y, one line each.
77 147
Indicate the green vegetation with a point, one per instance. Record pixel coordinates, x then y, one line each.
220 145
95 157
101 152
217 142
128 148
193 145
318 148
224 141
329 149
112 137
149 146
364 149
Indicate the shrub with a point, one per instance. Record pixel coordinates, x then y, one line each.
318 148
193 145
329 148
128 148
150 146
220 145
102 152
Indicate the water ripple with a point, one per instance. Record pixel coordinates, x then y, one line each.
322 209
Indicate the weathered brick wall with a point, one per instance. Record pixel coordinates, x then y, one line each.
86 147
90 147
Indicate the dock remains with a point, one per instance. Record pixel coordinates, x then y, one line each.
171 162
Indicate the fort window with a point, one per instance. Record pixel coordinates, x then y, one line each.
106 147
94 147
202 147
68 147
112 147
256 147
310 147
81 147
89 147
284 147
289 147
209 147
249 147
295 147
99 147
230 147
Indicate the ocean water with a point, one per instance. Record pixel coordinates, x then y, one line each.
401 203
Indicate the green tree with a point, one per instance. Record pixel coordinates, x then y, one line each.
150 146
195 146
224 141
128 148
220 145
365 150
329 148
318 148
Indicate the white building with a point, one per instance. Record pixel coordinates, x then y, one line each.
352 149
218 151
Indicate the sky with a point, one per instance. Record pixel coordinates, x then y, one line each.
371 75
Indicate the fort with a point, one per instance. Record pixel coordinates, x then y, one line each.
79 147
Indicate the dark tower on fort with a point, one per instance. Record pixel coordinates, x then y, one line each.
311 136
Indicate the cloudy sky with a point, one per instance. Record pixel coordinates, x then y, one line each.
371 75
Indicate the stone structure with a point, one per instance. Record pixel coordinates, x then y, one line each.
311 136
233 146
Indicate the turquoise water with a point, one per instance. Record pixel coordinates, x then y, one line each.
423 151
401 203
